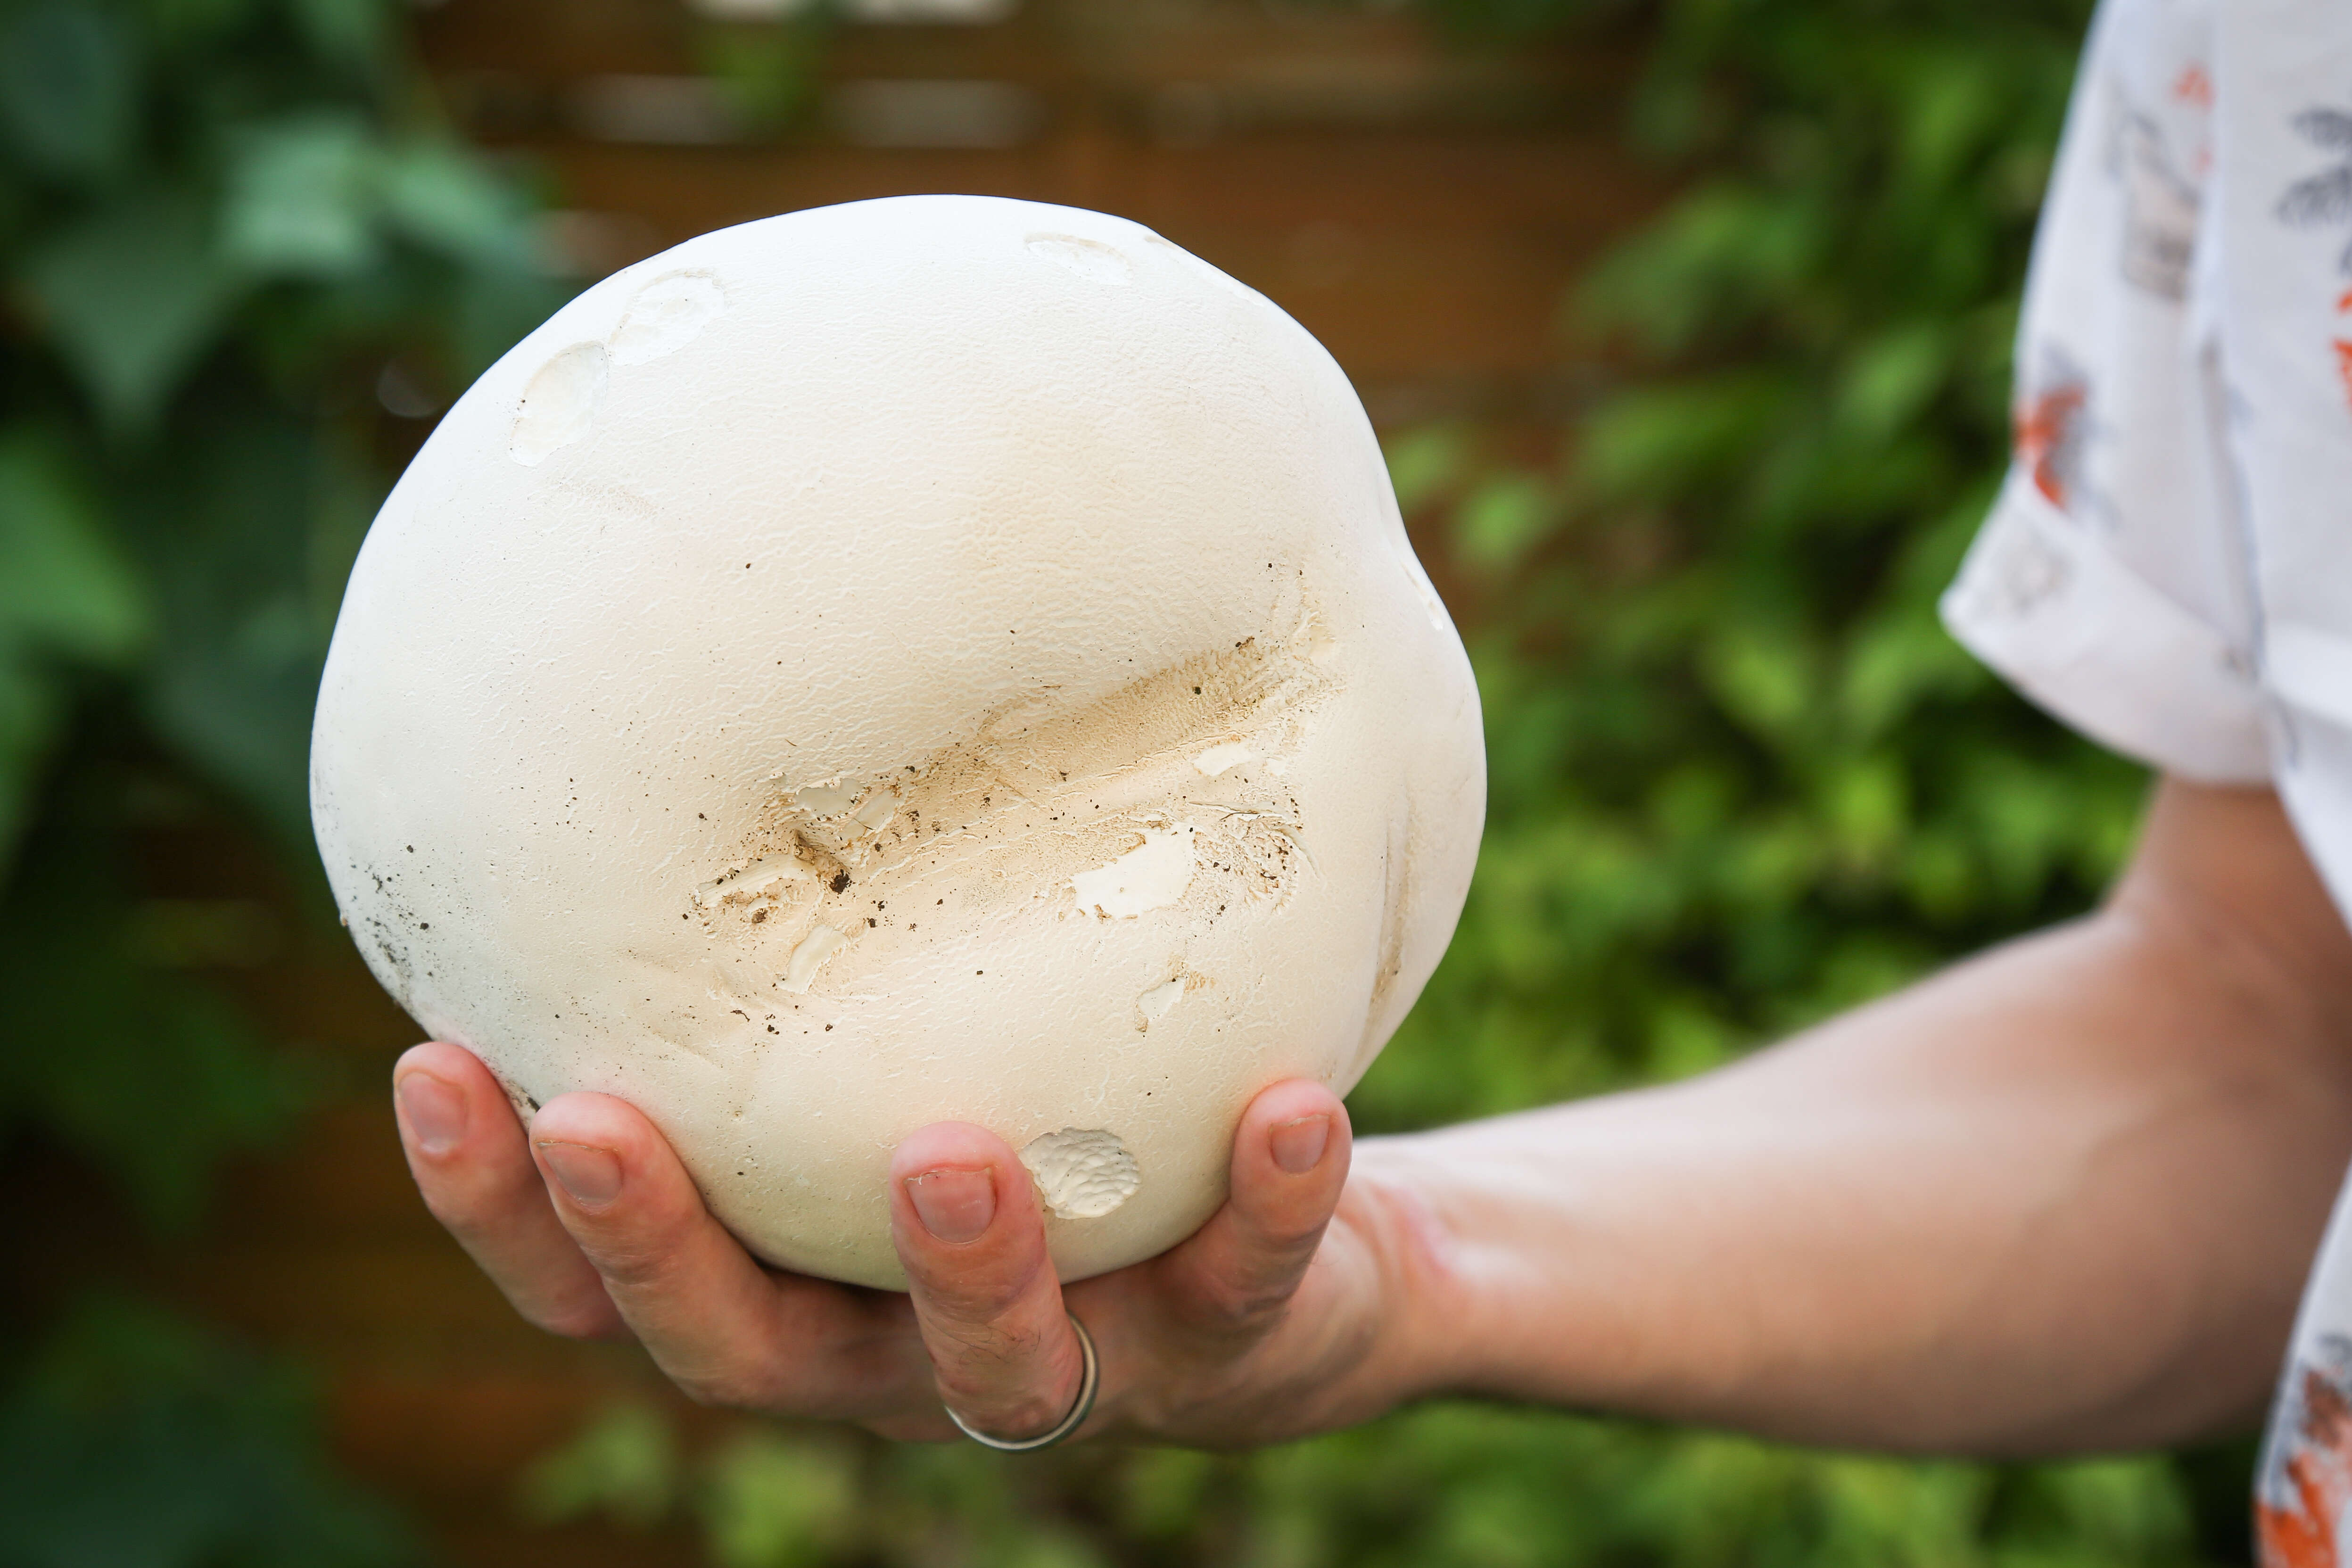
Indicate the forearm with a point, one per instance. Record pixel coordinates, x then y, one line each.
2061 1196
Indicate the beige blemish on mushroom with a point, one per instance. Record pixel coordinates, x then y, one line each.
821 943
1151 876
877 809
666 315
755 881
1155 1002
1082 1172
828 798
560 403
1048 792
1224 755
1089 258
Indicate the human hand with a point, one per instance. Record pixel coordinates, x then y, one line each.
1285 1313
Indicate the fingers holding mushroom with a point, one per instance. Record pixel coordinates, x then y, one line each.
969 1230
472 1164
725 1329
1237 1272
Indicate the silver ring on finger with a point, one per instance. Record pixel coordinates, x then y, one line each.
1090 1384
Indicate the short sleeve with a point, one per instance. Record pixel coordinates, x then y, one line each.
2108 584
2045 604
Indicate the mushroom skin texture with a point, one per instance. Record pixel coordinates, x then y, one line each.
934 658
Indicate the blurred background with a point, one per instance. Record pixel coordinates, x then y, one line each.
1685 324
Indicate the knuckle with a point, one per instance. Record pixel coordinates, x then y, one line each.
975 1301
980 1362
994 1405
1244 1302
630 1269
968 1308
1284 1224
473 1210
1242 1309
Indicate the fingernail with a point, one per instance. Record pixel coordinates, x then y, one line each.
593 1176
1298 1146
954 1205
435 1109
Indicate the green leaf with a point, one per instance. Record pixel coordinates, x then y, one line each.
1764 677
302 198
65 584
1658 441
68 88
66 593
1890 379
770 1501
351 33
1953 104
442 197
623 1464
1426 464
766 72
229 525
1503 520
131 297
1718 256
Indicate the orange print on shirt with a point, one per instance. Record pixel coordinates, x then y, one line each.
2344 348
2193 86
2319 1474
2044 424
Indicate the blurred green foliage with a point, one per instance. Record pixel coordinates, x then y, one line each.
1459 1486
1739 777
132 1439
221 223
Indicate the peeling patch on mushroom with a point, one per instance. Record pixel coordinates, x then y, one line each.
809 956
1082 1172
1151 876
1224 755
560 403
666 315
1155 1002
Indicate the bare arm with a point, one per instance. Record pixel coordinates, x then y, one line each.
2061 1196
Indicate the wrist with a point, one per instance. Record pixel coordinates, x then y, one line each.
1423 1299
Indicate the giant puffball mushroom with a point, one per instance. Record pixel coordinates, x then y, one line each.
924 659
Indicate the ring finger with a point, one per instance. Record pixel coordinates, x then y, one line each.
965 1219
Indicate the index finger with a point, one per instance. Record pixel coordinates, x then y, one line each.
725 1329
467 1154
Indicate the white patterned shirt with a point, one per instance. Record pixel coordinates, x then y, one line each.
2169 566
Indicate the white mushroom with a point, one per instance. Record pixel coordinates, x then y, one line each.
941 657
